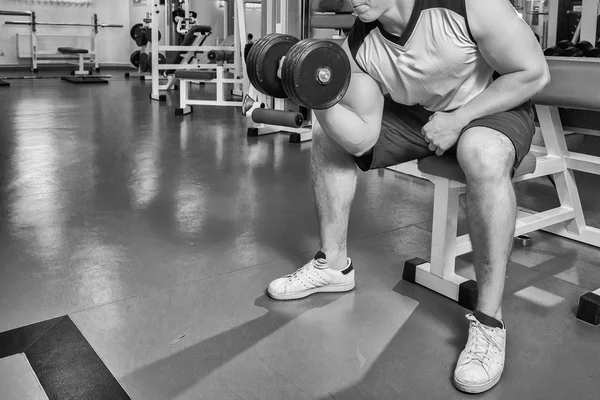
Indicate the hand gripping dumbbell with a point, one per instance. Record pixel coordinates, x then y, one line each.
314 73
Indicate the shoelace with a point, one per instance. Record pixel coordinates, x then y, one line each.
301 270
479 349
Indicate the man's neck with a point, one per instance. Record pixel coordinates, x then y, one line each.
396 18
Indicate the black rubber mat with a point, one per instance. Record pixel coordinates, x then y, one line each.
63 360
4 83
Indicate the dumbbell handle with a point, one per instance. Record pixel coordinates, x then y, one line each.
280 66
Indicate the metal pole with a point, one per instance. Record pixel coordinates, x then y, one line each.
23 13
61 24
589 16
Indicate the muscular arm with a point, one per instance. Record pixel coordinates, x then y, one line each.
509 46
355 121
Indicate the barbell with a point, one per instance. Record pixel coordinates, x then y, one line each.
314 73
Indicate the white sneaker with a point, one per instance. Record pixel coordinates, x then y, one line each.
315 276
481 363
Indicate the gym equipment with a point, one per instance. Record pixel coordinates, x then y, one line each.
263 63
161 60
137 33
552 51
36 54
523 241
142 35
314 73
277 117
135 58
584 46
569 89
185 54
593 53
4 83
571 52
221 55
144 65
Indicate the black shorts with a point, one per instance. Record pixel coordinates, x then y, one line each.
401 139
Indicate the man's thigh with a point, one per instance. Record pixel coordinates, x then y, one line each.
400 139
517 124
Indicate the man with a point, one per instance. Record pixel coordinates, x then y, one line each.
422 84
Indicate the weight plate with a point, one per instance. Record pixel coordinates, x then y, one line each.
563 44
135 58
318 74
135 30
571 52
268 52
148 34
552 51
144 62
584 46
289 65
593 53
251 62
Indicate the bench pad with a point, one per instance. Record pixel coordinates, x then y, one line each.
72 50
193 75
447 166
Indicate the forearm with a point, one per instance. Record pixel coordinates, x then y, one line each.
505 93
349 129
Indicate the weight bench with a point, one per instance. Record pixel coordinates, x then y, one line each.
572 87
218 77
81 75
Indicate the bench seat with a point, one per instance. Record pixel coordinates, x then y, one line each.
72 50
195 74
447 167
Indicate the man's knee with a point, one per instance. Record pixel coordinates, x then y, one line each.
485 155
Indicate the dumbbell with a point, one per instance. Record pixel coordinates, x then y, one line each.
571 52
314 73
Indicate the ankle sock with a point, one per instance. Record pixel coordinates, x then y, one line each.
487 320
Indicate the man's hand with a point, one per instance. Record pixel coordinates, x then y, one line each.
442 131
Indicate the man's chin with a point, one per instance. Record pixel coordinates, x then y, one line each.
366 18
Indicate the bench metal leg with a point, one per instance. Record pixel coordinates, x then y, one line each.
439 274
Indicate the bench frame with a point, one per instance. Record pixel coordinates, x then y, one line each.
567 220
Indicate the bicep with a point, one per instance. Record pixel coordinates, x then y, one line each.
504 39
364 95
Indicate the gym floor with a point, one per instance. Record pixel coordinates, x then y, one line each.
149 239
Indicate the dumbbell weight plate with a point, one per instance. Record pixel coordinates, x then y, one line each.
288 66
144 67
571 52
584 46
593 53
135 58
564 44
552 51
263 62
316 74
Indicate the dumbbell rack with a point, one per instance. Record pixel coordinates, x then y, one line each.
140 74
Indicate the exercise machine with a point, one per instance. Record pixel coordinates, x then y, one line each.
46 57
190 61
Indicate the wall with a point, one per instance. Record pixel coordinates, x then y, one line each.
112 48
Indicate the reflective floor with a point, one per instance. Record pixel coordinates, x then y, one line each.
157 235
